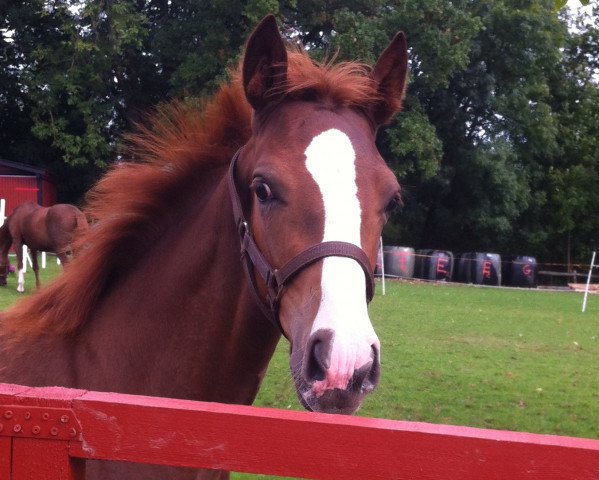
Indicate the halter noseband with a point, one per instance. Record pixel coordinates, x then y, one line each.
276 279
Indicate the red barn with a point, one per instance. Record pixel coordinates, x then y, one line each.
20 183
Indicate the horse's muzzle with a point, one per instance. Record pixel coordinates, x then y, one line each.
321 390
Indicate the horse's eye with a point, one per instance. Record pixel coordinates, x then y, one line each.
393 203
263 193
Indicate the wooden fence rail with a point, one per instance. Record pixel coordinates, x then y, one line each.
47 433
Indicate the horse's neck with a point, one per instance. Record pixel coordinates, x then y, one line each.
182 323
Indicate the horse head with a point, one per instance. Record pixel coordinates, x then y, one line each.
311 175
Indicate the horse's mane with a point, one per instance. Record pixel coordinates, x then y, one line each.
175 147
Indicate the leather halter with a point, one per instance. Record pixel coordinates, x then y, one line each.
276 278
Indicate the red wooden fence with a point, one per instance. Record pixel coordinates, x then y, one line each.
45 433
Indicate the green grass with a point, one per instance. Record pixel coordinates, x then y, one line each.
520 360
9 294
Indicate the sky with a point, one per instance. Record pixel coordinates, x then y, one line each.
576 4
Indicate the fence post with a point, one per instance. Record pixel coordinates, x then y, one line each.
53 461
26 258
586 290
37 430
5 456
382 268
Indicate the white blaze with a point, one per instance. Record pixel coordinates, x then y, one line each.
330 159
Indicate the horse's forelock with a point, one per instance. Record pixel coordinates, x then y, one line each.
345 83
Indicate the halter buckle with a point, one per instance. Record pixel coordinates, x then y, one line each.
274 287
242 229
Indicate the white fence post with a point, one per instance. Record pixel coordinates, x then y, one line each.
2 211
382 268
586 290
26 258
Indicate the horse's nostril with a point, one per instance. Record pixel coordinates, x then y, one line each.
318 355
360 378
316 362
366 378
375 371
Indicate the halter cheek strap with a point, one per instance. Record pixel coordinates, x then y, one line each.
276 279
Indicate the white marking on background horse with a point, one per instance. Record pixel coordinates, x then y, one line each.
330 159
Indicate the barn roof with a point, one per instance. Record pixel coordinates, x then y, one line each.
8 167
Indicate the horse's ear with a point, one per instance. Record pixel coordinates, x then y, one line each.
390 74
264 63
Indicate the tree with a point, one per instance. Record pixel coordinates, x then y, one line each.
499 132
80 73
573 176
559 4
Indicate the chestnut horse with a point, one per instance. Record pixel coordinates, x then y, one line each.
45 229
157 301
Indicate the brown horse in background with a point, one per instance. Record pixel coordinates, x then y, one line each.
42 229
5 243
156 301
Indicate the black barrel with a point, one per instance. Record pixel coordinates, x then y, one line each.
479 268
434 265
520 271
399 261
487 268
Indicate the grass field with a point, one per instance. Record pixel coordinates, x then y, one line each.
509 359
9 294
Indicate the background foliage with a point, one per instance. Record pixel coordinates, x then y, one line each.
497 147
